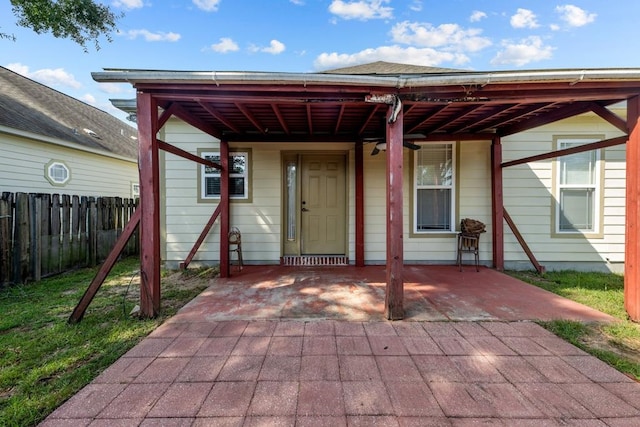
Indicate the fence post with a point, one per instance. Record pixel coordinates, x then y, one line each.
45 233
92 232
21 239
66 232
35 241
55 234
6 227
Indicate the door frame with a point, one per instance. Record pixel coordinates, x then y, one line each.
293 246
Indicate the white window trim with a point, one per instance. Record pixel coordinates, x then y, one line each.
596 186
204 175
453 187
48 175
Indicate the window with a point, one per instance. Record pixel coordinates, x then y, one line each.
135 190
577 189
238 176
57 173
434 188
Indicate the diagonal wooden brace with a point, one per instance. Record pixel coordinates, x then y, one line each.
106 267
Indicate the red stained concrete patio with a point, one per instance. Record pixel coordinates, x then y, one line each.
303 346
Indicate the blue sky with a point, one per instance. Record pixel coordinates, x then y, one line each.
315 35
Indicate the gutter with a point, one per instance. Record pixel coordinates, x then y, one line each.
571 76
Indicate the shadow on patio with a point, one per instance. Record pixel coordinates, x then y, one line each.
431 293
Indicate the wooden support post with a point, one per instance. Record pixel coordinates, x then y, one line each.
224 209
394 295
359 160
632 232
497 204
148 165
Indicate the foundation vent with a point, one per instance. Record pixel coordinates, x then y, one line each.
315 260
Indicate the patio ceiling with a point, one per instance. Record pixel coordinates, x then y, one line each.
285 111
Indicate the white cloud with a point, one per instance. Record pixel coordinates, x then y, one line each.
408 55
225 45
50 77
574 16
207 5
88 98
445 36
362 9
275 47
528 50
112 88
129 4
297 2
416 6
477 15
524 18
151 37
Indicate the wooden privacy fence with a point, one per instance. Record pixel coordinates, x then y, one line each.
45 234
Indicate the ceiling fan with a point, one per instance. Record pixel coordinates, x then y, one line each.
381 145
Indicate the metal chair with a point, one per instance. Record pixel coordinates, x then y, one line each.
469 240
235 245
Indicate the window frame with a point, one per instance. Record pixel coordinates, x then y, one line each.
597 186
203 175
51 178
452 187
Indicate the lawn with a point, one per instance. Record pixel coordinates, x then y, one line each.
616 343
44 360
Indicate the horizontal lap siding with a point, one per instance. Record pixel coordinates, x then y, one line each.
22 163
259 220
528 196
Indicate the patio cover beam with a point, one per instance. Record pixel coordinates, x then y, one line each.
497 201
632 231
394 293
148 164
224 209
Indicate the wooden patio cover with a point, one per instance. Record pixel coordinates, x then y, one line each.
364 103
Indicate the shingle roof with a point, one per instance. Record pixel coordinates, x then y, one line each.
29 106
390 68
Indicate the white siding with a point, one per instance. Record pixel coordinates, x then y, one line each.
22 169
528 197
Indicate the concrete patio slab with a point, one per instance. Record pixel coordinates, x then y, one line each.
269 347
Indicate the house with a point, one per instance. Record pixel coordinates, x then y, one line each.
53 143
378 164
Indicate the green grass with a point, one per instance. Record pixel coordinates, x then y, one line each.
44 360
617 343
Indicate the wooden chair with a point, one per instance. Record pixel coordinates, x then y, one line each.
469 240
235 245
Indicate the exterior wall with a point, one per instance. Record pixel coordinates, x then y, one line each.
23 161
258 219
528 197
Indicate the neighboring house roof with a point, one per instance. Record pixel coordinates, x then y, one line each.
28 106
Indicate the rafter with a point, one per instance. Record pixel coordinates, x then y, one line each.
281 120
559 114
371 115
215 113
250 117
